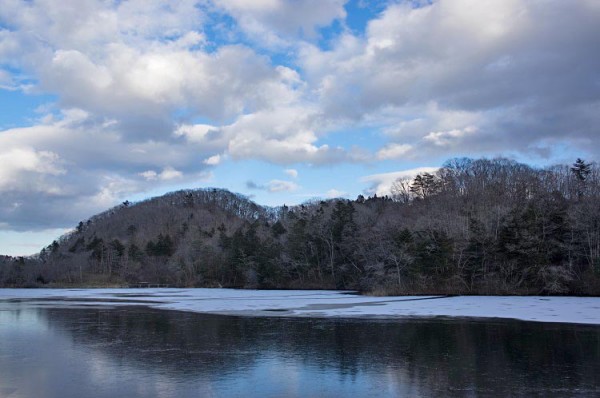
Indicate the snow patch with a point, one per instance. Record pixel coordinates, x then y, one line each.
323 303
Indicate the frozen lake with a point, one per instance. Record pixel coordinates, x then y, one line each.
321 304
73 349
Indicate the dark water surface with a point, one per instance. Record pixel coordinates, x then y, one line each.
139 352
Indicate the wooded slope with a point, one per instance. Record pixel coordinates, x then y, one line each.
474 227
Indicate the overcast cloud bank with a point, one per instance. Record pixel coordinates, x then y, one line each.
148 94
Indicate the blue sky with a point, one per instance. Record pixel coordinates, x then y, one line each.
103 101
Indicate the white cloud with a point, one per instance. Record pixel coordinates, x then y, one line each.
168 173
198 133
394 151
138 62
213 160
149 175
112 189
132 83
284 135
281 186
334 193
94 22
274 186
72 166
502 63
144 90
446 138
291 172
277 23
20 162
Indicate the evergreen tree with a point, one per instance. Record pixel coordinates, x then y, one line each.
581 169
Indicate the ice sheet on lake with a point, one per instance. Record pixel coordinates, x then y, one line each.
322 303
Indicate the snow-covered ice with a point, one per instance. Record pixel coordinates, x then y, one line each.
320 303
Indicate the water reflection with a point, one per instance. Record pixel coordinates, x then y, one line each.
99 352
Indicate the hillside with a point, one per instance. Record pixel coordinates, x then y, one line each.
475 227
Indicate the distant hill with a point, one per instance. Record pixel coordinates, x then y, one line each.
153 240
475 227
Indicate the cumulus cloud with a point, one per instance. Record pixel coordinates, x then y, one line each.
281 186
71 166
282 135
291 172
277 23
121 71
19 163
445 138
149 175
334 193
394 151
138 63
168 173
503 62
273 186
137 86
147 93
213 160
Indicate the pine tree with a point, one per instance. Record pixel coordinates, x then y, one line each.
581 169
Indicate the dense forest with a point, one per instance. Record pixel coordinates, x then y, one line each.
474 227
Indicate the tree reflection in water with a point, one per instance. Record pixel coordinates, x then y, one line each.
146 352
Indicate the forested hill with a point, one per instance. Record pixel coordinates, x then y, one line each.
474 227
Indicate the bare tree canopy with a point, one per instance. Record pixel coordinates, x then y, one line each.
476 226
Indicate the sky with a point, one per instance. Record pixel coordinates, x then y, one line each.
284 101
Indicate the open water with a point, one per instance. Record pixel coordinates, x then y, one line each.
91 351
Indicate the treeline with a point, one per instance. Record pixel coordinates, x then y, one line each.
473 227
